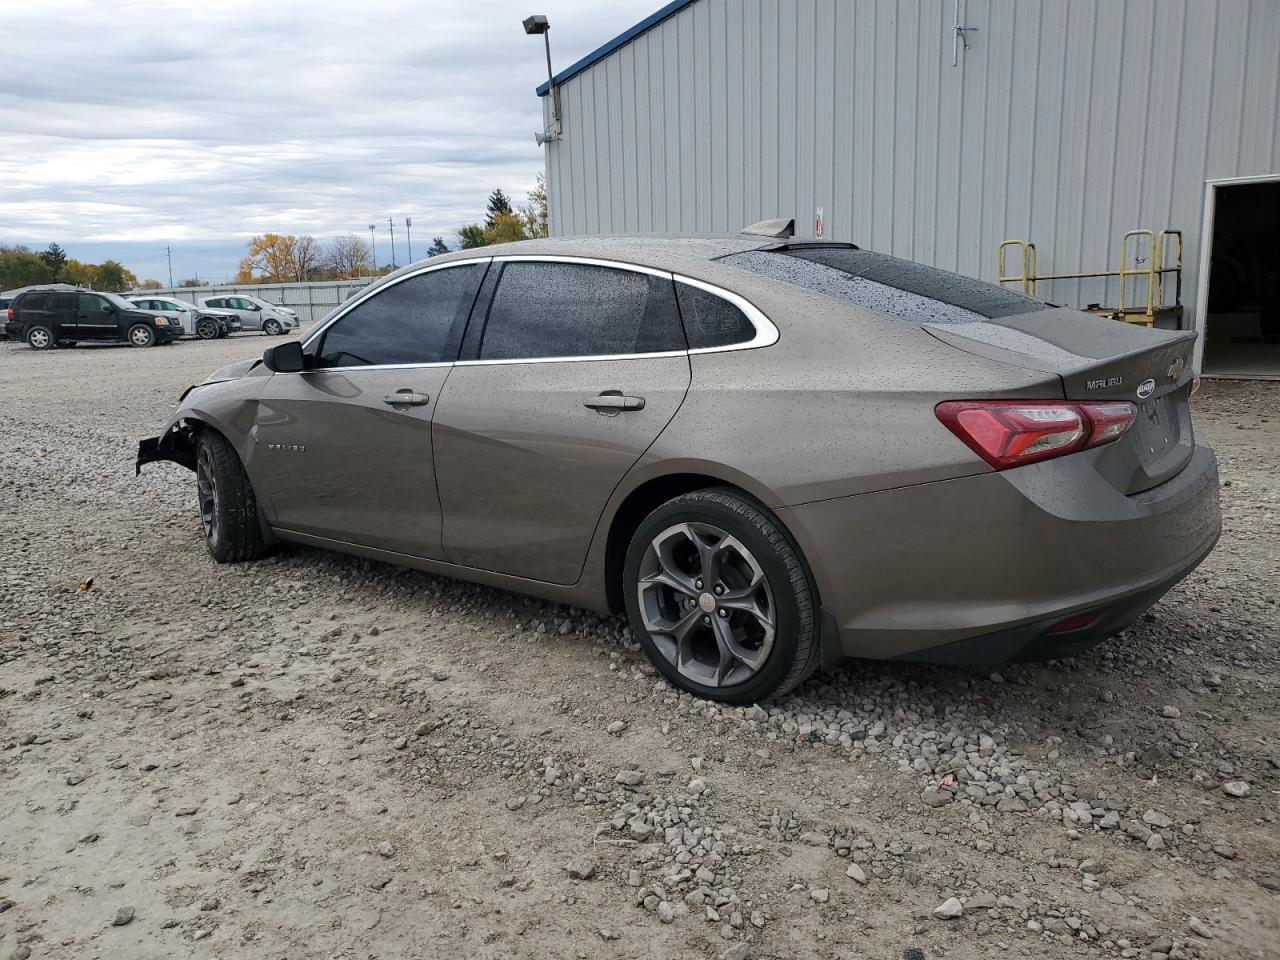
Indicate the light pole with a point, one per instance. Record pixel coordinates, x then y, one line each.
538 24
392 227
409 236
169 255
373 239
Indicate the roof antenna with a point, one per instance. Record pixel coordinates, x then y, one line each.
777 229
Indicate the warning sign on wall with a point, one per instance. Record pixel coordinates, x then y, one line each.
817 223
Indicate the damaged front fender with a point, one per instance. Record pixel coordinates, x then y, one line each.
177 445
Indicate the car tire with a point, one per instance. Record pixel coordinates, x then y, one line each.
759 638
141 335
228 507
40 337
208 330
272 328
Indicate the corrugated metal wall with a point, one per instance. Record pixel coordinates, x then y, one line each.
1067 122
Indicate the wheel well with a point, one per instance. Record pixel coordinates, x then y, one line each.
639 503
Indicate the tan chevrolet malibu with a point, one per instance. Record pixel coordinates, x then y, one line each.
769 452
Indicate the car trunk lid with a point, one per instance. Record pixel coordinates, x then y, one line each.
1100 359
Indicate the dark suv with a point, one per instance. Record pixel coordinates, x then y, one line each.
50 318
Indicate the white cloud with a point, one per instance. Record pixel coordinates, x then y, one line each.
199 124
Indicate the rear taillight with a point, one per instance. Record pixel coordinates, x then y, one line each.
1010 433
9 313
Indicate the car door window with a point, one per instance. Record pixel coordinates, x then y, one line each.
547 309
711 321
63 301
418 320
92 305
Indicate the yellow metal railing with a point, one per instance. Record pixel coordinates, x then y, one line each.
1154 272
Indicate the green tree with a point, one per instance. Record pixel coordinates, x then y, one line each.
78 274
55 257
438 246
112 277
499 204
472 235
20 267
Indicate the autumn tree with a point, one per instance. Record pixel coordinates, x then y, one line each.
348 257
534 213
279 258
150 284
78 274
438 246
507 227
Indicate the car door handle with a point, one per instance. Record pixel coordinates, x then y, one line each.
406 398
611 401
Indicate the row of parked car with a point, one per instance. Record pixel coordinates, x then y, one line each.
63 316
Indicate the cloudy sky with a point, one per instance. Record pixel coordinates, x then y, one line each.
131 124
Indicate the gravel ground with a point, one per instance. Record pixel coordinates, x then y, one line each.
319 756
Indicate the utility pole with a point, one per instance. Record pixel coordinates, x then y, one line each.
169 257
407 224
392 227
373 239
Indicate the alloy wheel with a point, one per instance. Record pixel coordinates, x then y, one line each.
140 336
207 492
39 338
707 604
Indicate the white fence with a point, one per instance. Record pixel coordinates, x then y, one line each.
311 301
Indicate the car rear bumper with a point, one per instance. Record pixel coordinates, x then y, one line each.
979 569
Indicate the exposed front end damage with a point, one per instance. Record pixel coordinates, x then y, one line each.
177 444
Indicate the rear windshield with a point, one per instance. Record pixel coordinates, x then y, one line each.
887 285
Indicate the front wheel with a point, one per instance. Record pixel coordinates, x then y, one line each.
140 335
208 330
272 328
720 598
228 508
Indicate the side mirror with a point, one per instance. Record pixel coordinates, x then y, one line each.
255 308
285 358
107 308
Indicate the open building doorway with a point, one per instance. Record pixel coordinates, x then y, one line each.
1241 313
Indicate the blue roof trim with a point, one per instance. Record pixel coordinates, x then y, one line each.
621 40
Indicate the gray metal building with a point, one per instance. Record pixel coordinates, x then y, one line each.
1065 123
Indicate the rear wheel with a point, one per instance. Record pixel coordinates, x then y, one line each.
208 330
140 335
228 508
720 599
272 328
40 338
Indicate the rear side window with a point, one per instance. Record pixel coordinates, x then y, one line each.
711 321
34 301
551 309
63 301
887 285
418 320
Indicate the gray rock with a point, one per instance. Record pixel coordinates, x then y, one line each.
1156 819
1199 928
666 912
1236 788
980 901
629 778
739 951
936 798
1270 882
123 916
616 727
386 850
949 909
1171 712
580 868
820 895
855 872
697 786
